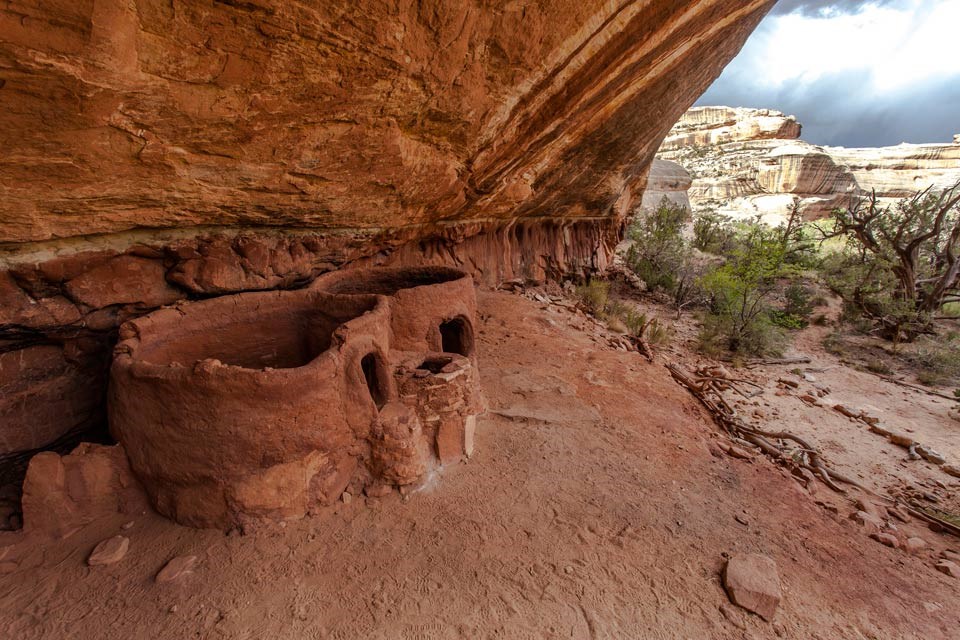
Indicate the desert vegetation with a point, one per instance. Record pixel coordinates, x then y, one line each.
900 265
895 270
745 280
595 298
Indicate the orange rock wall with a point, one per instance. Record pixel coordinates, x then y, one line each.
156 150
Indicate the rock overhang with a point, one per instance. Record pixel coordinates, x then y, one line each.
159 151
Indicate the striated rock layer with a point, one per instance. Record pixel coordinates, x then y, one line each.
666 180
161 150
748 162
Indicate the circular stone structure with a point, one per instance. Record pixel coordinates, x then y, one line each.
431 308
268 405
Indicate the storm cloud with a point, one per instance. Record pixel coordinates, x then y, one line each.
818 7
854 73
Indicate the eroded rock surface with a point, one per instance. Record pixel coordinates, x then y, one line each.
61 494
747 162
666 180
110 551
156 151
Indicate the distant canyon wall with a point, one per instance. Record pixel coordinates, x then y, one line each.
747 162
163 150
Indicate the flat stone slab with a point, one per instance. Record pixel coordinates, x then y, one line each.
110 551
948 567
752 582
177 568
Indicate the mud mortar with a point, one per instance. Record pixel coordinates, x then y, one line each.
264 406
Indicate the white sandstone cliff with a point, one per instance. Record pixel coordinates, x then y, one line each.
748 162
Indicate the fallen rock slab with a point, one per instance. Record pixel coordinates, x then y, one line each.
869 419
865 519
952 470
914 545
870 507
901 440
810 400
737 452
948 567
847 411
931 455
110 551
899 514
752 582
886 539
880 431
177 568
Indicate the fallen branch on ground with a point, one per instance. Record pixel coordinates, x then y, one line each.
708 384
632 343
643 346
794 360
708 388
915 387
917 511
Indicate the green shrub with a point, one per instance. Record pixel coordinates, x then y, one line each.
594 296
713 233
797 309
741 291
658 333
938 360
878 365
799 300
635 321
658 253
649 329
834 344
616 309
786 320
721 333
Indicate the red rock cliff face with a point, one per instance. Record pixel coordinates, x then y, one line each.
160 149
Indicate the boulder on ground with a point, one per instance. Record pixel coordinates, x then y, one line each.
177 568
752 582
110 551
886 539
63 493
948 567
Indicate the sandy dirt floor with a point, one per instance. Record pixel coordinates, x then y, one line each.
592 508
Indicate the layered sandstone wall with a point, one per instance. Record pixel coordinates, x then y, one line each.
748 162
164 150
666 180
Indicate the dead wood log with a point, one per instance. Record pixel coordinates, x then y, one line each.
918 512
710 394
778 361
641 345
929 392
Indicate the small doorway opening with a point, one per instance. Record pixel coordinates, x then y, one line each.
456 336
372 374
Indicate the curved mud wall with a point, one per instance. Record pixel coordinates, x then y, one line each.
417 312
265 405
